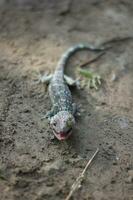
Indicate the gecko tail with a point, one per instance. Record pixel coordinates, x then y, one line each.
72 50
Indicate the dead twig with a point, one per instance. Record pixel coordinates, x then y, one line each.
117 39
79 179
92 60
96 57
112 40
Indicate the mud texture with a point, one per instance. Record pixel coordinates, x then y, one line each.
33 35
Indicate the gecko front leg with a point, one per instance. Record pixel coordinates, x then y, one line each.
51 112
48 115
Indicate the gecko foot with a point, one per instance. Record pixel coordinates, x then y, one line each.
76 110
46 78
48 115
72 82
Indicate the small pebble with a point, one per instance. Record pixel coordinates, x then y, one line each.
129 180
114 77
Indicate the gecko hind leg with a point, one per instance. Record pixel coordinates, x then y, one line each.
71 82
46 78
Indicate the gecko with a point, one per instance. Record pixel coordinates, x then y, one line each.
62 116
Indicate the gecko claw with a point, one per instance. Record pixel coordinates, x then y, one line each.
44 78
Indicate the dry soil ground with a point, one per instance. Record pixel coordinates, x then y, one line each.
33 165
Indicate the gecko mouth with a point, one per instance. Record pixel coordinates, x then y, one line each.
63 135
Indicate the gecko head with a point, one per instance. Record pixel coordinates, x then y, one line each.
62 124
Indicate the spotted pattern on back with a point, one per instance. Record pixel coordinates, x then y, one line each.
62 114
61 96
59 91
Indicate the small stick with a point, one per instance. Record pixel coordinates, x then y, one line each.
117 39
79 179
92 60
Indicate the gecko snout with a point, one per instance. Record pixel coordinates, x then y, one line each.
62 124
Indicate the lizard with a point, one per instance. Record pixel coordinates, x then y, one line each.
62 116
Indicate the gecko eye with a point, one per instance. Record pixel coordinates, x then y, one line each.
69 123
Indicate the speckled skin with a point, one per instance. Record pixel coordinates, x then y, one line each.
63 110
60 94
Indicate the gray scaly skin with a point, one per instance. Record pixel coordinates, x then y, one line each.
62 114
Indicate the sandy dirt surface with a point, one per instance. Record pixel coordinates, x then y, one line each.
34 165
